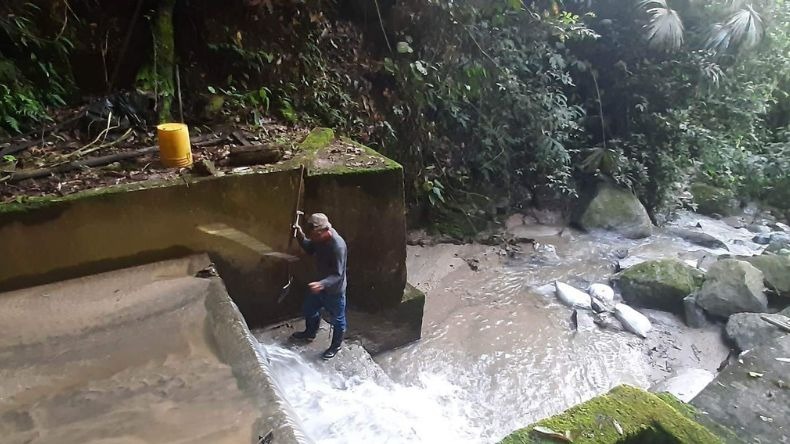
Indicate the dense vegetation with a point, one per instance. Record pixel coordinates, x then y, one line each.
488 104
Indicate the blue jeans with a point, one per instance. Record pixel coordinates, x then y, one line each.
335 304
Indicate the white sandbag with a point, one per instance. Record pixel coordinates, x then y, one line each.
632 320
602 297
572 297
602 292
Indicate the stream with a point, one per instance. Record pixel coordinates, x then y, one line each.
497 351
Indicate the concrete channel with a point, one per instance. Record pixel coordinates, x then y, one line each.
144 354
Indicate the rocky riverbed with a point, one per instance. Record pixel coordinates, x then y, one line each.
499 351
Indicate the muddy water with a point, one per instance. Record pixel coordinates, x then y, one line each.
497 351
119 359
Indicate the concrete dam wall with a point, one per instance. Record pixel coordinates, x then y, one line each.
52 239
113 329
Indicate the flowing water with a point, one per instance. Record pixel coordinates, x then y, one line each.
497 351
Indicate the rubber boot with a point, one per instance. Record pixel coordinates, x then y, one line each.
311 328
337 340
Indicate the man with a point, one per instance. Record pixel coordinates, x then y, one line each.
329 292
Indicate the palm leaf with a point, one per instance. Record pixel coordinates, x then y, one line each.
665 29
743 30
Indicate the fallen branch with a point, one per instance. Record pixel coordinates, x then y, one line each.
87 150
781 325
254 155
23 145
238 135
100 161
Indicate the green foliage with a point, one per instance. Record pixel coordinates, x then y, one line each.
34 67
656 118
321 91
435 191
245 60
251 106
481 98
739 24
665 28
288 112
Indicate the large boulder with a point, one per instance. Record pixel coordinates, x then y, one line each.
615 209
748 330
776 272
732 286
660 284
711 200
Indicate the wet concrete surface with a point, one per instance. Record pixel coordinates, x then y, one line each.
125 357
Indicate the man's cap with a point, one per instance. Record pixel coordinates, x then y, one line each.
318 221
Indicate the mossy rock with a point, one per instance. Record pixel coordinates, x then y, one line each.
615 209
712 200
643 418
776 271
660 284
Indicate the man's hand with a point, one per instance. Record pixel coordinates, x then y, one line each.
316 287
298 230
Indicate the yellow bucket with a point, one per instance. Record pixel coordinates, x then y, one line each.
174 148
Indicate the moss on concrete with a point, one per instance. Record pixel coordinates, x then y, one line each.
389 164
641 416
410 311
317 139
40 202
368 162
157 217
410 293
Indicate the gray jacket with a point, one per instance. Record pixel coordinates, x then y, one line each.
330 258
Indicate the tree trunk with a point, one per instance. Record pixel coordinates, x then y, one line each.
158 75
